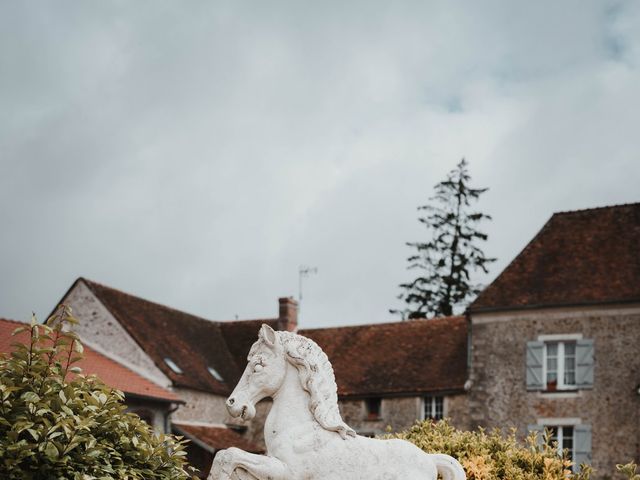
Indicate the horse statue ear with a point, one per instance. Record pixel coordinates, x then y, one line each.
268 335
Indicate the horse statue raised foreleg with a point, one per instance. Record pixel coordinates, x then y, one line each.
236 464
305 435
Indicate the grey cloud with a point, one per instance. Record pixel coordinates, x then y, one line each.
196 153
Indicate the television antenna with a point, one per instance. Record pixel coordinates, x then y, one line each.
303 272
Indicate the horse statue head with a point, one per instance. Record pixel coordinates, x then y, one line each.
266 370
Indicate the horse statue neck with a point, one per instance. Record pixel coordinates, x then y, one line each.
290 410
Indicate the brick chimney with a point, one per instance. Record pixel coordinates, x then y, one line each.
288 314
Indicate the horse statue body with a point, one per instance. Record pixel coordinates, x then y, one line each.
305 435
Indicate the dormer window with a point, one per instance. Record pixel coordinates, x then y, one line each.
214 373
173 366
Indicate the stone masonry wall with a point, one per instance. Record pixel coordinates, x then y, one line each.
200 407
400 413
499 398
155 410
203 407
101 331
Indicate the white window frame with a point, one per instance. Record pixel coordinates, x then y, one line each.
559 424
560 340
560 437
423 405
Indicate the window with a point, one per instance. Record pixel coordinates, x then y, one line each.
144 414
433 408
563 436
214 373
373 406
559 363
568 434
172 365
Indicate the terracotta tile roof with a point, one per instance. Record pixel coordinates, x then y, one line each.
394 358
191 342
578 258
216 437
109 371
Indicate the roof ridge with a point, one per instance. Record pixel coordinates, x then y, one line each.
16 322
137 297
592 209
231 322
173 309
384 324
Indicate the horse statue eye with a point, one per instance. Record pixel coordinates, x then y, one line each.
258 368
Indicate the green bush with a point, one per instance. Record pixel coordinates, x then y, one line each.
56 423
492 456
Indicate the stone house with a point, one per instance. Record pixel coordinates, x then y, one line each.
552 342
198 360
380 369
555 339
142 396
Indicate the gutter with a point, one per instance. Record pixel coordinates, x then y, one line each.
542 306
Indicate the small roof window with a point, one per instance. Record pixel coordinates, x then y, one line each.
214 373
172 365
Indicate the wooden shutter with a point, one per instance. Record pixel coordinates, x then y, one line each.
581 445
584 363
535 357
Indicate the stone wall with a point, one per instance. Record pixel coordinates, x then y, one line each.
499 398
101 331
200 407
203 407
400 413
456 408
154 413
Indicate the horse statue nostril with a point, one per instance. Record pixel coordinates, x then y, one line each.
231 401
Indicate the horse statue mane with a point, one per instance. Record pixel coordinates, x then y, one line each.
317 378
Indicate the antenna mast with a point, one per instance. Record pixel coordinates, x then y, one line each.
303 272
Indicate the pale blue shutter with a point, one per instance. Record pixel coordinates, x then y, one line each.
581 445
539 430
584 363
535 358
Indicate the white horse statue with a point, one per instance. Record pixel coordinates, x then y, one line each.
305 435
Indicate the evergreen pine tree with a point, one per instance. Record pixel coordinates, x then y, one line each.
448 258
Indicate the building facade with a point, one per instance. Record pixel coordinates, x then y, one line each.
552 343
556 338
389 375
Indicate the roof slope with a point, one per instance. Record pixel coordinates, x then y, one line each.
393 358
191 342
578 258
109 371
396 358
217 438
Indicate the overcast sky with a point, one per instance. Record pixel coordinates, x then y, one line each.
196 153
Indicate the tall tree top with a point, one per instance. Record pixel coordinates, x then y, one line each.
450 254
